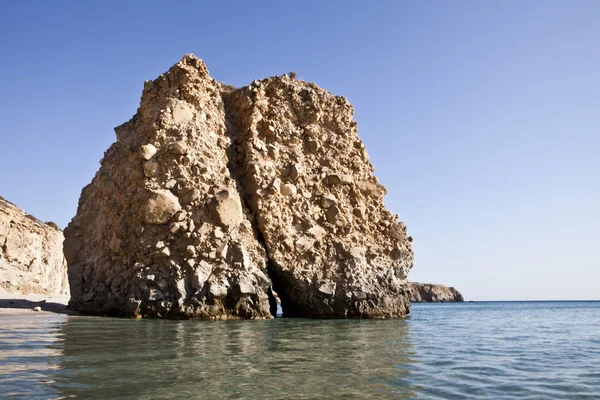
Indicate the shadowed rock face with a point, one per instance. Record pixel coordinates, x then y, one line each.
31 257
212 198
429 292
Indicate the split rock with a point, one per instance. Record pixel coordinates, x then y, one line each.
212 183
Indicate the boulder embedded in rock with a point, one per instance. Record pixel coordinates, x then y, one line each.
147 151
288 190
161 206
178 148
226 208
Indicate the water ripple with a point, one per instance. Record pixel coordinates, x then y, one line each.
444 351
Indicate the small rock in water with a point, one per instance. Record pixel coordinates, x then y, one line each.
38 308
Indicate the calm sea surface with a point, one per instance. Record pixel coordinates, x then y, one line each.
495 350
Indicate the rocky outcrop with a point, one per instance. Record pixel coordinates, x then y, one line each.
214 197
161 231
334 250
31 256
429 292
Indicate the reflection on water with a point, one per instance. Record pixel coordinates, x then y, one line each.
278 359
533 350
27 362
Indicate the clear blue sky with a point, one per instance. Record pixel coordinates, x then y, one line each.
481 117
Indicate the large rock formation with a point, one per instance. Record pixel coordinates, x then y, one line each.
213 197
334 250
161 231
430 292
31 255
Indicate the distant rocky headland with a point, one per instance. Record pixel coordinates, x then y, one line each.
213 199
429 292
31 254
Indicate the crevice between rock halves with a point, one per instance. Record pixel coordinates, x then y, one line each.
235 157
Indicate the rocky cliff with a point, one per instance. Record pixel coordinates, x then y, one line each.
429 292
31 255
214 197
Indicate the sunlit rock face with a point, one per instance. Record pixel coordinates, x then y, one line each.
334 250
214 197
31 256
161 231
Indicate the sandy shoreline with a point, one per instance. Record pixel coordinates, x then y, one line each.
24 304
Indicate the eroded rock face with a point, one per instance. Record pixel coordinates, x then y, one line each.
31 256
430 292
334 250
161 231
212 197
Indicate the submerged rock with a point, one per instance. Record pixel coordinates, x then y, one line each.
212 199
429 292
31 256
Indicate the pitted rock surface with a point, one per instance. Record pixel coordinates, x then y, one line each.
31 255
334 250
213 197
161 231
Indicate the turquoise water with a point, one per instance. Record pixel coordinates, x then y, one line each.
495 350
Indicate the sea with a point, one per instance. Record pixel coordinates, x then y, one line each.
475 350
